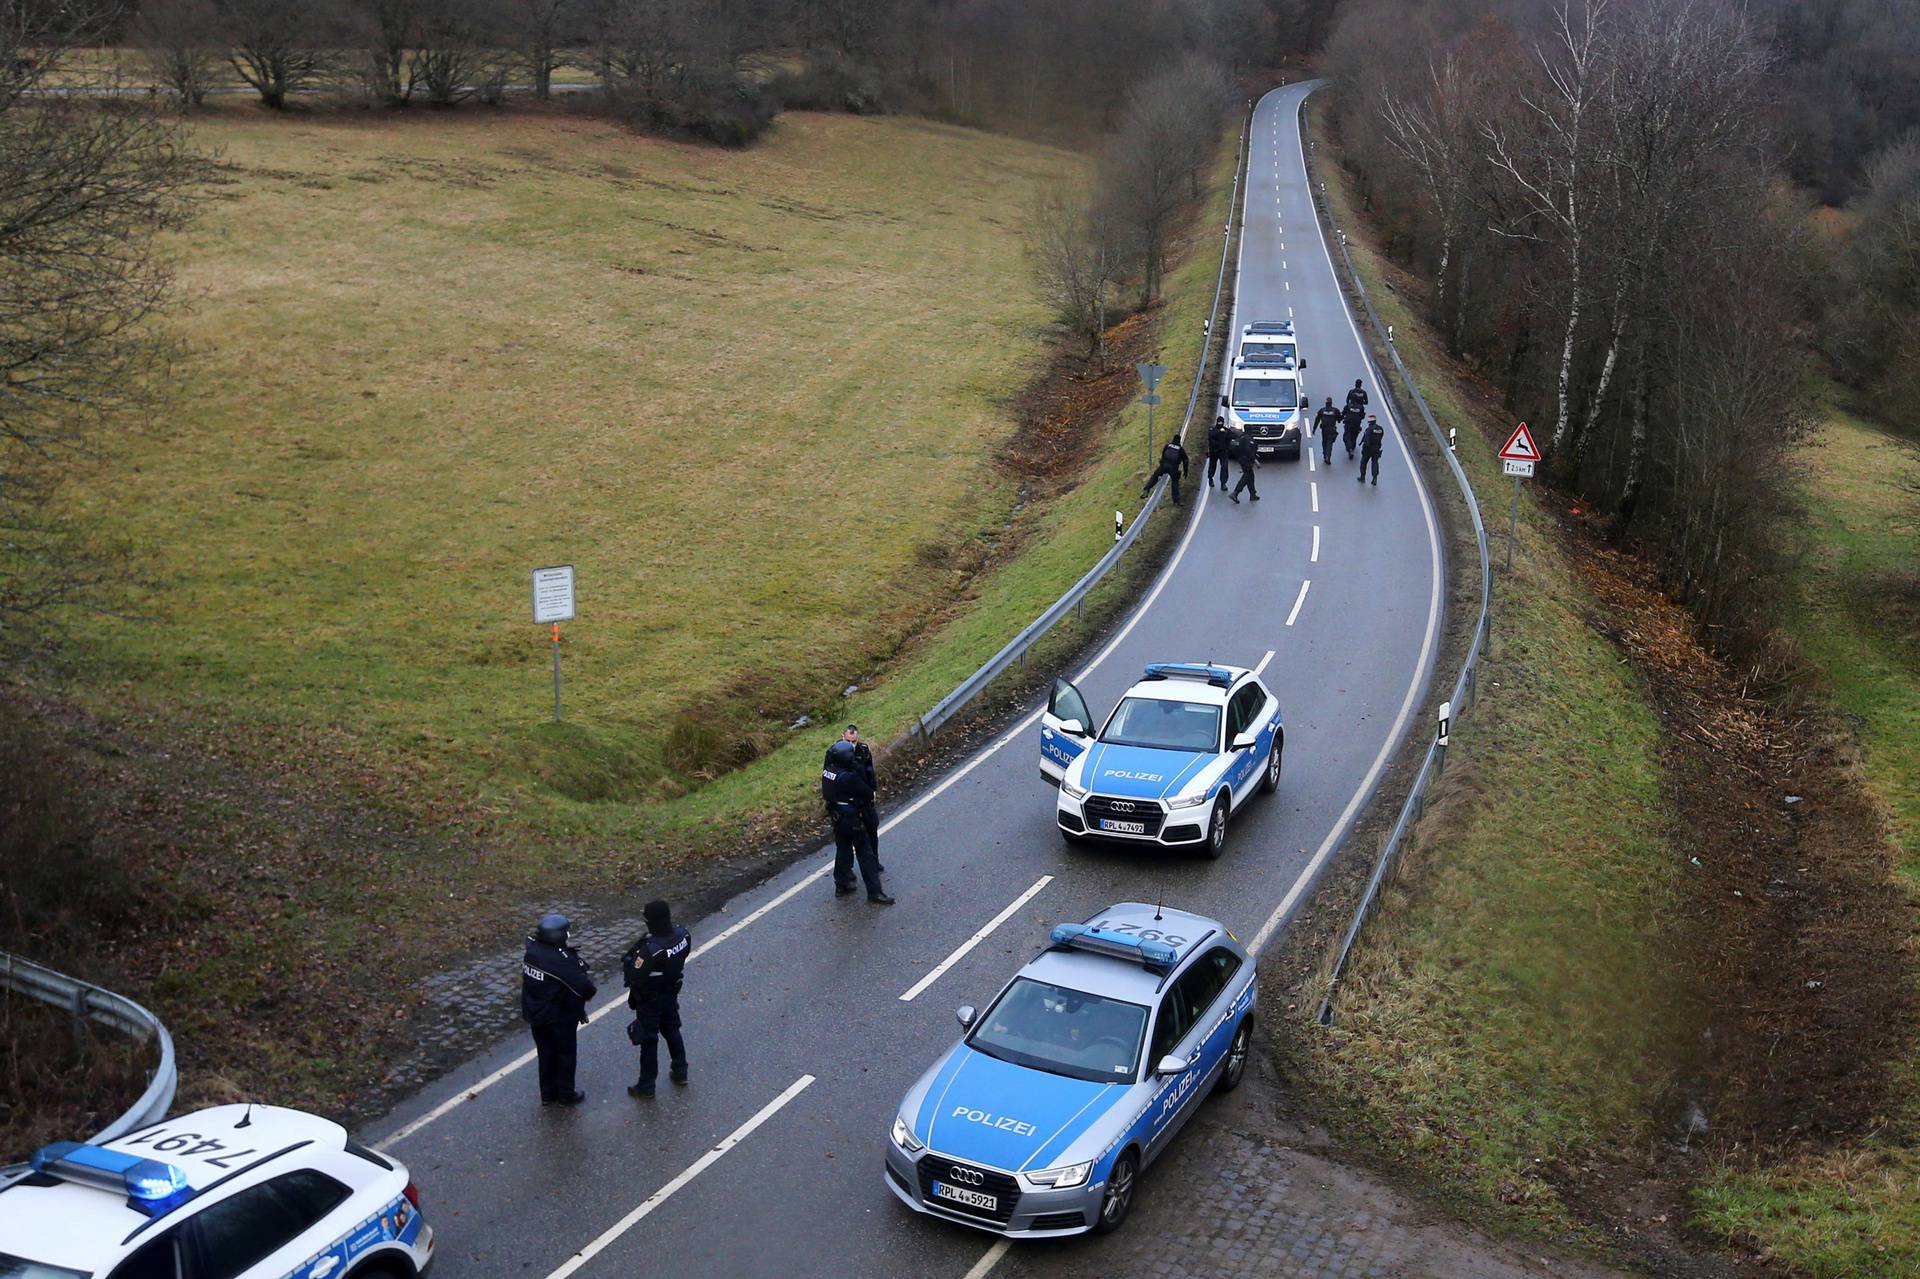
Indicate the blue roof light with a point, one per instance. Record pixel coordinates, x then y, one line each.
151 1186
1158 956
1218 676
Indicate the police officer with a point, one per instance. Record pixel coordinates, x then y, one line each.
1248 456
1371 442
1350 427
1219 449
846 792
1357 396
1326 424
554 990
652 968
870 815
1173 465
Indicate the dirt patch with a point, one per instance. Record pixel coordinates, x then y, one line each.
1063 412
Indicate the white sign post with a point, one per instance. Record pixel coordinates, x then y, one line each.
552 605
1517 458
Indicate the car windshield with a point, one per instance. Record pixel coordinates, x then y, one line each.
1254 346
1265 393
1063 1032
12 1267
1163 725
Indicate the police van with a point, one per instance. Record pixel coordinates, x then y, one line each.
1266 399
233 1192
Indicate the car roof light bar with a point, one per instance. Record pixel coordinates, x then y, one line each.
151 1187
1156 956
1218 676
1283 328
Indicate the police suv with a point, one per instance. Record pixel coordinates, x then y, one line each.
1078 1075
234 1192
1266 397
1182 752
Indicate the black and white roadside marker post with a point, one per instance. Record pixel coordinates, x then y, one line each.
1150 375
552 605
1518 456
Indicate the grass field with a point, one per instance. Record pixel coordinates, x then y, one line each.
1492 1029
1855 1211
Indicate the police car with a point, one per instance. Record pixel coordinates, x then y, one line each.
1077 1076
1184 750
234 1192
1267 398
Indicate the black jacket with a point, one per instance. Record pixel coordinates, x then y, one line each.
1357 396
1218 437
554 985
1352 418
1245 453
863 760
1372 440
654 965
1175 454
845 790
1326 421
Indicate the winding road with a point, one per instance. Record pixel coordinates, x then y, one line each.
807 1017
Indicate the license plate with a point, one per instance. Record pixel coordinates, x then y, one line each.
971 1198
1125 828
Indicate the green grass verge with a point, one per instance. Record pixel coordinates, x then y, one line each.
1854 1211
1493 1027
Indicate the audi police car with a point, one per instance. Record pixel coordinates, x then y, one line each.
1184 750
1077 1076
237 1192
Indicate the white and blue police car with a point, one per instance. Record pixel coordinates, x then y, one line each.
1182 752
1040 1120
232 1192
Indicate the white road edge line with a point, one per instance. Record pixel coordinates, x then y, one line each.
939 970
1299 599
693 1170
1315 557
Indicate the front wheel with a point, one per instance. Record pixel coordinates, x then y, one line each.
1237 1053
1217 830
1118 1201
1271 781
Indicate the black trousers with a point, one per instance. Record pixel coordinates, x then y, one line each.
1173 478
1374 460
1351 436
559 1053
1246 482
850 843
870 818
660 1019
1326 447
1221 460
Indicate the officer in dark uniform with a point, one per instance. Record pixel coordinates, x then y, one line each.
1173 465
1326 424
1219 446
845 790
1248 456
652 968
1357 397
870 815
1350 427
1372 441
554 990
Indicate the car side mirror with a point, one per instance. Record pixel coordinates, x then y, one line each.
1223 401
966 1015
1073 728
1245 742
1303 362
1171 1065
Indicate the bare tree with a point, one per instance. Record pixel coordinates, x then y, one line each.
84 187
537 31
1074 251
182 43
459 54
283 46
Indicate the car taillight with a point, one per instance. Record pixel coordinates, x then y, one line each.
412 1192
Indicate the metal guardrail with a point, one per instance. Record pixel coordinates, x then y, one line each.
88 1002
1466 686
1015 652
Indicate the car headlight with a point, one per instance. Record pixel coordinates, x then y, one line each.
1191 801
903 1135
1062 1178
1071 791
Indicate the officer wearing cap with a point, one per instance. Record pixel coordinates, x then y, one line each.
1372 441
844 789
1219 450
870 814
652 968
554 990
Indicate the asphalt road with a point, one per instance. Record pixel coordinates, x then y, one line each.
800 1039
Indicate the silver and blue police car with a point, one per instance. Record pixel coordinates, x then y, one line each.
1077 1076
1184 750
240 1192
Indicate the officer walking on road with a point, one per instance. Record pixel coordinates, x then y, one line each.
554 990
652 968
846 792
1219 449
1357 397
1371 442
1248 457
1173 465
870 815
1326 424
1350 427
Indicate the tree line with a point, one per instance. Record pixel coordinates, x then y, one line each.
1599 196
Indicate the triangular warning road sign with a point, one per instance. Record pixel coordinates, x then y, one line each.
1520 446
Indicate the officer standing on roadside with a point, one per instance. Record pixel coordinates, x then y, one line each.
1219 445
1326 424
554 990
1173 465
870 815
1350 426
846 792
1248 456
1372 441
652 968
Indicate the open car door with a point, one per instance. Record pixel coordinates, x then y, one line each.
1066 730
